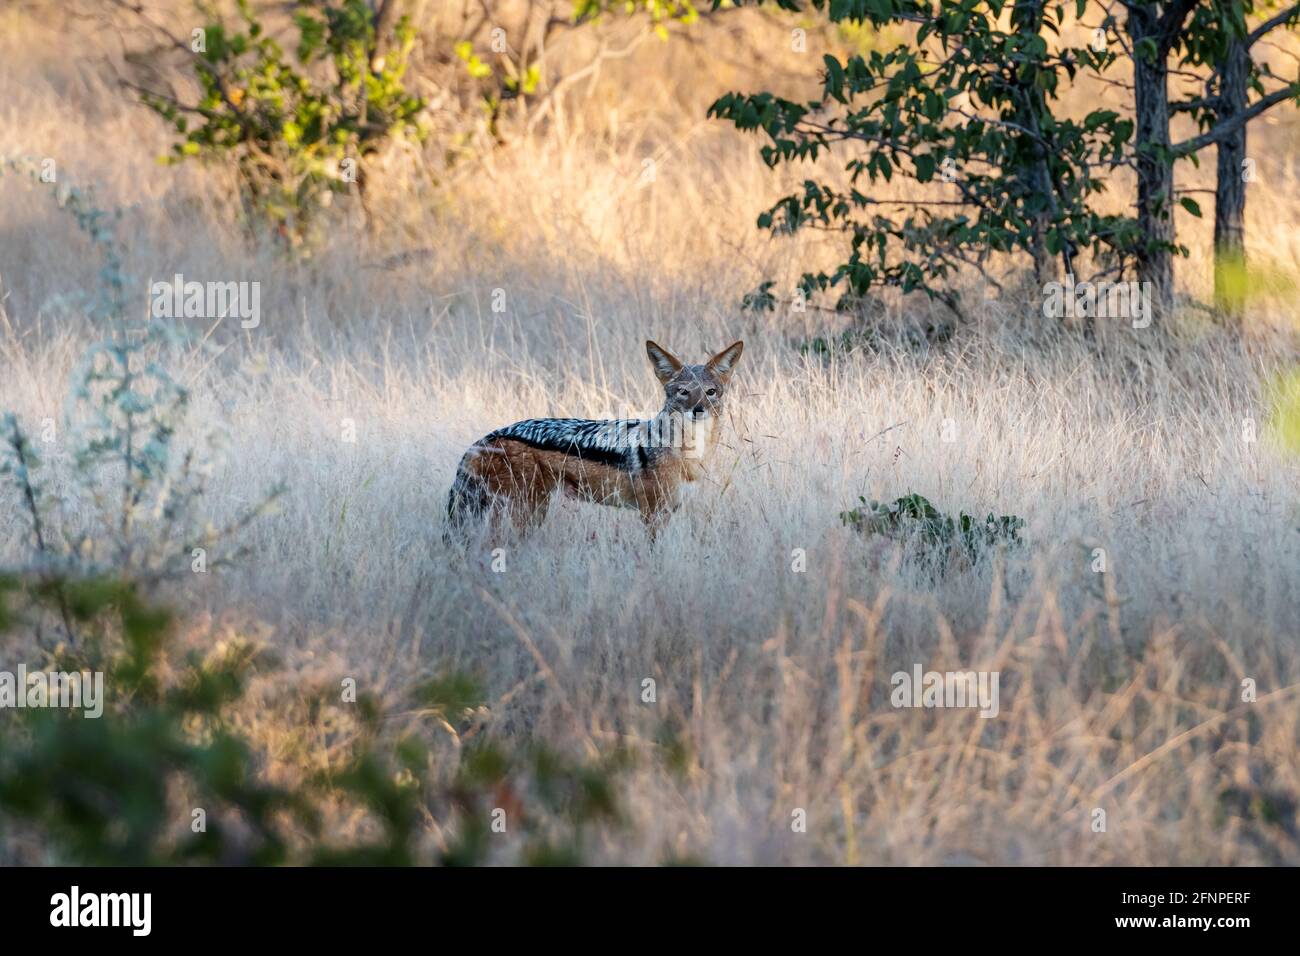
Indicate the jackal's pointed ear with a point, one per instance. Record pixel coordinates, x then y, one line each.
666 364
722 364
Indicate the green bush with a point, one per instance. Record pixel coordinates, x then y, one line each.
298 127
126 788
914 518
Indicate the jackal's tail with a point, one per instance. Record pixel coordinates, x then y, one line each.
467 503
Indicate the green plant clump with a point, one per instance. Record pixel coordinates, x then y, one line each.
914 518
297 127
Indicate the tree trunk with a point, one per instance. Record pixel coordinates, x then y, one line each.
1027 17
385 19
1044 263
1041 178
1155 172
1230 188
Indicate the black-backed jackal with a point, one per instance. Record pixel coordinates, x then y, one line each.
633 463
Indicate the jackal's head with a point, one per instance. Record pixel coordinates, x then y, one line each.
694 392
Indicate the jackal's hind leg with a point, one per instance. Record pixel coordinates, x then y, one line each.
527 512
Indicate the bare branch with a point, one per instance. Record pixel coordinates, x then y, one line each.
1229 126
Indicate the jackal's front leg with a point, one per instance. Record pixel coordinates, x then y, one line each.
655 519
656 505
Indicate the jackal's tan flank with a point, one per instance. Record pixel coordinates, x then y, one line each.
633 463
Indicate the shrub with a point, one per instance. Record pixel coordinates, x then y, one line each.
914 518
298 128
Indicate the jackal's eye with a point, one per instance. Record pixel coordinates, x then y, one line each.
711 392
683 392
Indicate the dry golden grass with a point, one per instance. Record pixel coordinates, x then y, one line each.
1120 691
